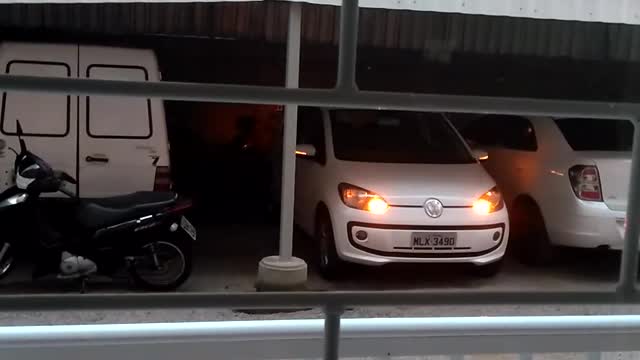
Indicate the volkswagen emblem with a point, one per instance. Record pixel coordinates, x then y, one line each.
433 208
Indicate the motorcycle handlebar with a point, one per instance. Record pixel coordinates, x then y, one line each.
63 176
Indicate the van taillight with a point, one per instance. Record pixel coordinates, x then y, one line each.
585 182
163 179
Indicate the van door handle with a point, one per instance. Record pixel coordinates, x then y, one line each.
97 159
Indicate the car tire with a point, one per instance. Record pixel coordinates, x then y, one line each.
529 237
489 270
329 263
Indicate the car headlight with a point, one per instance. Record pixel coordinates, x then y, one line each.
361 199
489 202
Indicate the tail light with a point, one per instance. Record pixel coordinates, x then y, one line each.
163 179
585 182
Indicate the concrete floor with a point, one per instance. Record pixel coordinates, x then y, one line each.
227 258
227 261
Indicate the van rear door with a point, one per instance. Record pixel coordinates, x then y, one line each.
119 149
49 120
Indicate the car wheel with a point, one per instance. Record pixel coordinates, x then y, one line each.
489 270
329 262
529 236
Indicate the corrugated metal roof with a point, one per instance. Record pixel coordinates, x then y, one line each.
609 11
436 34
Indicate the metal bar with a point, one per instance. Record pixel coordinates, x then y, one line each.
629 265
594 355
348 45
359 337
289 135
332 333
294 300
321 97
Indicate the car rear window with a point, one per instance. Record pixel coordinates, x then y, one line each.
597 134
396 137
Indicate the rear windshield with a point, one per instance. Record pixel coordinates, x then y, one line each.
597 134
396 137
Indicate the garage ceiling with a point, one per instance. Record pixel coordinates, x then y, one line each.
607 11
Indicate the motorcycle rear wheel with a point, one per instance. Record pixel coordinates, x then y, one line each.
165 266
7 262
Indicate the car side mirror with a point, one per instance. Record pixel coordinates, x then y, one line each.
480 155
305 150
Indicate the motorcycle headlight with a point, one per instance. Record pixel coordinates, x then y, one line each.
361 199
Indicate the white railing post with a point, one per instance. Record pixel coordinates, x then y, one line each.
289 134
286 272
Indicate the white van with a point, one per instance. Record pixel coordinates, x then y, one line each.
113 145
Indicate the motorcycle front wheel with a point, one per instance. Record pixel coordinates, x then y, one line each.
164 266
7 261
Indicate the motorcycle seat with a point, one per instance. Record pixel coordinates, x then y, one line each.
140 199
103 212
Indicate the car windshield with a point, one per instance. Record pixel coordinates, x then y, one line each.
396 137
597 134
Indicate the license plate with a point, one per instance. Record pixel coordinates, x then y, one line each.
429 240
188 227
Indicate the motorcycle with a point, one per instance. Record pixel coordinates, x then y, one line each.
144 235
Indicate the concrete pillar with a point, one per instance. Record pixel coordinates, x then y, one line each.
284 271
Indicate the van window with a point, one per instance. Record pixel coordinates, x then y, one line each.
396 137
50 117
597 134
118 116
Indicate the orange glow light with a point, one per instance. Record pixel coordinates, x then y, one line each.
482 158
298 152
377 206
482 207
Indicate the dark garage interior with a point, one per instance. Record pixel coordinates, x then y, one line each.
244 43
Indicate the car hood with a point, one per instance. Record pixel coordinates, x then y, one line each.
413 184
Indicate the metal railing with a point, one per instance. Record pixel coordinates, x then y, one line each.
302 339
346 95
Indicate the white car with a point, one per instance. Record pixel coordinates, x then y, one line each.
565 181
378 187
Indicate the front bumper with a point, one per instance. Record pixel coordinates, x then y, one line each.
480 239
